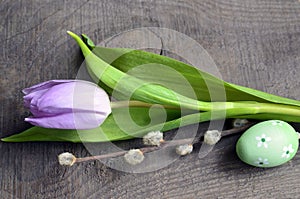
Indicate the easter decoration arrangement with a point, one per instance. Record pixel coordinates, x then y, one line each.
81 111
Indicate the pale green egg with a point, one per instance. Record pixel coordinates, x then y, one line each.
268 144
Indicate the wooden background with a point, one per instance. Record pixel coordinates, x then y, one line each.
255 43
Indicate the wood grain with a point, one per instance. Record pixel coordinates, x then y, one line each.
253 42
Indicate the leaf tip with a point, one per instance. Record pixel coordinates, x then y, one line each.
4 140
83 46
73 35
70 32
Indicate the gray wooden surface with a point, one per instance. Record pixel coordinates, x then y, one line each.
254 43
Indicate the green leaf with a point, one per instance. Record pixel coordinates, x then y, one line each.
120 125
113 130
88 41
148 67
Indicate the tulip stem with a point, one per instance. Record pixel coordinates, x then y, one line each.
124 104
230 109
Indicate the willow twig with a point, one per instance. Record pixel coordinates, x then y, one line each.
164 144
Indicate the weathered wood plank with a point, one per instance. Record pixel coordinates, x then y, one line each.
254 43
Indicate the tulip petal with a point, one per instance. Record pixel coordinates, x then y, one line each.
79 120
35 92
32 97
73 96
44 85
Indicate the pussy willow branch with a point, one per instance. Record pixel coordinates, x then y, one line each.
165 144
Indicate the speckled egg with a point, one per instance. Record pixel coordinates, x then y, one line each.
268 144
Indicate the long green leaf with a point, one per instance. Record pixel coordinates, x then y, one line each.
149 67
113 129
118 126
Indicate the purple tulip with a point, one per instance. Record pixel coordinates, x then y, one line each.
67 104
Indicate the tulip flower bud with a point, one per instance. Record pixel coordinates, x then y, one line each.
67 104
